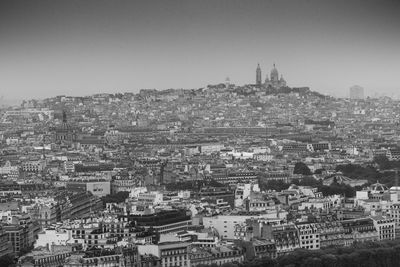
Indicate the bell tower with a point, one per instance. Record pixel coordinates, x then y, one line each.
258 75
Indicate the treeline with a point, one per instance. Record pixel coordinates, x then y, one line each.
381 168
327 190
369 254
354 171
385 164
385 176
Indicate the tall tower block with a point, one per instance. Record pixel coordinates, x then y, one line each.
356 92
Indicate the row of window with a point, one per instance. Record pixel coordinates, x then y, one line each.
175 258
306 232
173 252
310 236
309 242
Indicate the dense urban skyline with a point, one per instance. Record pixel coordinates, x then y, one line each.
123 143
49 48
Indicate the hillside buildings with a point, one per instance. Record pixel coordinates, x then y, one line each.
195 176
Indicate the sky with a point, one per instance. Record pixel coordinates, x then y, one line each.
72 47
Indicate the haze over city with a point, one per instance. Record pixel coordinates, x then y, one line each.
73 47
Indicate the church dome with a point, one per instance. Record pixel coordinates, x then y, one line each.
65 126
274 73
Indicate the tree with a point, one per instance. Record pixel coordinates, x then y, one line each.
7 260
383 162
276 185
310 181
301 168
337 189
115 198
359 172
386 253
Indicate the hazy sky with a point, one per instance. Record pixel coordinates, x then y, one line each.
71 47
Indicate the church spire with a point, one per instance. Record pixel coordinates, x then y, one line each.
258 74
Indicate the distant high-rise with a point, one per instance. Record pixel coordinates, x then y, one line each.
356 92
258 75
